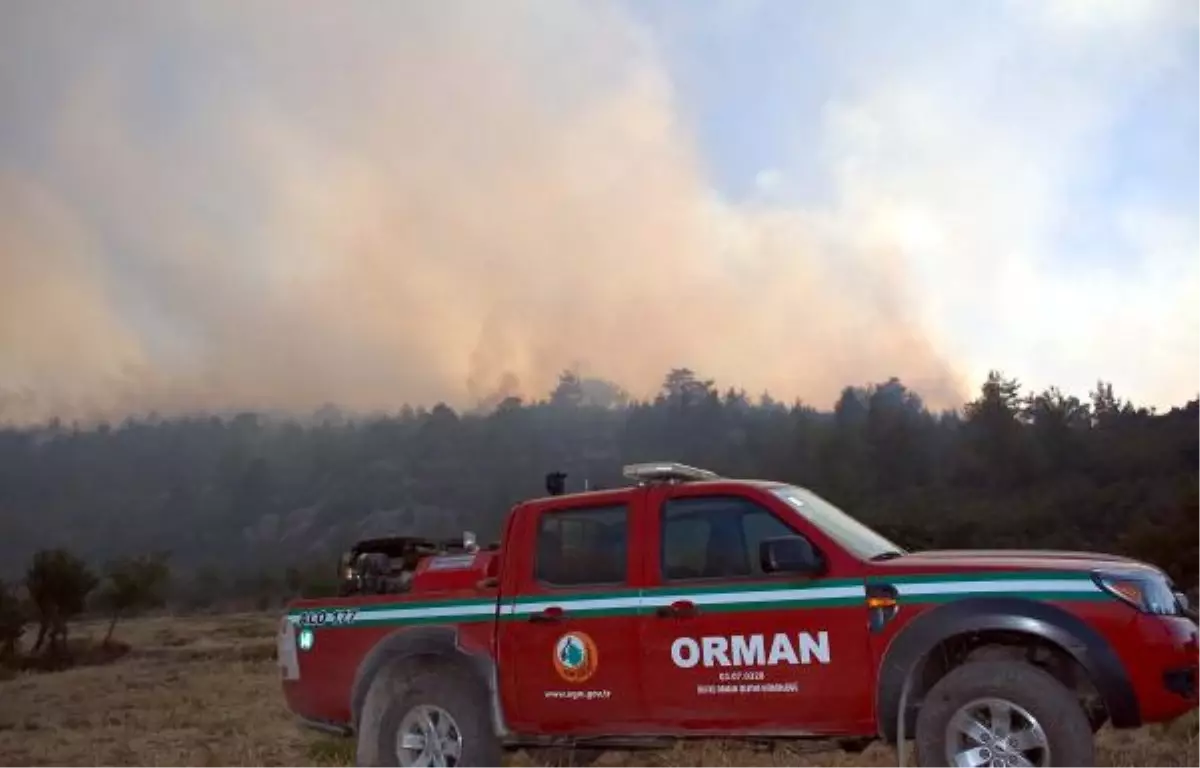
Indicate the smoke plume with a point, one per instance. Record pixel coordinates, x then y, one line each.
278 205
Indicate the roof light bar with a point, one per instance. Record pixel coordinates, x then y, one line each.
666 471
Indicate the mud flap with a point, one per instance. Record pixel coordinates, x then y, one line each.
285 645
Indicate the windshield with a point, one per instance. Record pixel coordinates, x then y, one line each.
845 530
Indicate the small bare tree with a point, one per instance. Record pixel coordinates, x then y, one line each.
58 584
132 585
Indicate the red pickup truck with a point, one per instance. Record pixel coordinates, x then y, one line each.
690 605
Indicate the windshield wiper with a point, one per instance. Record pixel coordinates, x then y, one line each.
891 554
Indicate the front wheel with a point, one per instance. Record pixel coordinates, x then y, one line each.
1002 713
435 715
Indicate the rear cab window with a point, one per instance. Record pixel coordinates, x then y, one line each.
587 543
583 546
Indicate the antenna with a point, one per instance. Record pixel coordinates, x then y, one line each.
666 471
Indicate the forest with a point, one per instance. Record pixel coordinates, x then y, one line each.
256 503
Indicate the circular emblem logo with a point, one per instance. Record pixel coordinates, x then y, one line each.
575 657
306 639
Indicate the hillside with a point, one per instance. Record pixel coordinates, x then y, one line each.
238 499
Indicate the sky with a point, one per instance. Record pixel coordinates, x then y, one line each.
277 205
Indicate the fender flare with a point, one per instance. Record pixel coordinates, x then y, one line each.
408 642
912 645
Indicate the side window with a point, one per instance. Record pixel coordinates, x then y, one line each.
578 547
709 537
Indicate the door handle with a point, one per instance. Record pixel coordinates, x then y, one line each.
680 609
551 615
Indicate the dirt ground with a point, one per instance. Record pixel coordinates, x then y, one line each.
204 691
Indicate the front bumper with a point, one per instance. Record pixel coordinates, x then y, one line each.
1165 671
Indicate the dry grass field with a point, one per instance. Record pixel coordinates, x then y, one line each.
204 691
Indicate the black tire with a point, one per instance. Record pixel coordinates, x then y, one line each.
442 683
1055 707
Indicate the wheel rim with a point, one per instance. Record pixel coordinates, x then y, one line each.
428 735
995 732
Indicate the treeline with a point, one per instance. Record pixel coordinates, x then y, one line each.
239 500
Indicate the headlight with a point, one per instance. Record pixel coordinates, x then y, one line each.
1146 592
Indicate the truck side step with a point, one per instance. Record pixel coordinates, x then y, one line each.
325 726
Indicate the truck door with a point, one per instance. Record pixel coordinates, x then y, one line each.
734 648
568 635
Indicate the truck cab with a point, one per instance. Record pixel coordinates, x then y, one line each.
723 596
688 605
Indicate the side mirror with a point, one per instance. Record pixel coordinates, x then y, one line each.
790 554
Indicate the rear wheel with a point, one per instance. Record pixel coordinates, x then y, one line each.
1002 713
433 715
